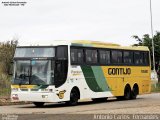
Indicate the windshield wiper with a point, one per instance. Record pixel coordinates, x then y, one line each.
23 80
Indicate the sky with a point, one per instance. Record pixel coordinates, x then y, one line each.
40 22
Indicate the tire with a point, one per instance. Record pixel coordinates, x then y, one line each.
38 104
120 98
134 92
127 93
100 99
74 96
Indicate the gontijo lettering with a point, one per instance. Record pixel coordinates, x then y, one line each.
119 71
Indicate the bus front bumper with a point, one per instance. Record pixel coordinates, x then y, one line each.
34 97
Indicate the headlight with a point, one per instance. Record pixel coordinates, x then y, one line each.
44 96
47 90
15 97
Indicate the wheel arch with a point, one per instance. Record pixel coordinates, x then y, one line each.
127 85
77 89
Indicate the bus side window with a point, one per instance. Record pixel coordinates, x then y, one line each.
116 57
146 58
94 56
91 56
58 73
88 56
80 56
108 57
128 57
74 56
62 52
77 56
104 56
138 58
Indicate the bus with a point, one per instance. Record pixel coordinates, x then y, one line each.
68 71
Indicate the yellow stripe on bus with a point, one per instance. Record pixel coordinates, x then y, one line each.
23 86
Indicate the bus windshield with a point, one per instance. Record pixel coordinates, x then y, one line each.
34 72
34 52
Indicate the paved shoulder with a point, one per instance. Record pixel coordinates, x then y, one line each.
149 103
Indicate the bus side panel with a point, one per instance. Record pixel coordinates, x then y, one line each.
118 76
98 81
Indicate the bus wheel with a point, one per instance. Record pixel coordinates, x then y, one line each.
38 104
100 99
134 92
74 96
127 93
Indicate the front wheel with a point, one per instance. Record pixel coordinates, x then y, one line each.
38 104
74 96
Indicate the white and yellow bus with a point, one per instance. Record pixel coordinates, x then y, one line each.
70 71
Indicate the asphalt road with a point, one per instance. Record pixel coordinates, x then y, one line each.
144 104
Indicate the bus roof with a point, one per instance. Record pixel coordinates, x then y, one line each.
90 43
98 44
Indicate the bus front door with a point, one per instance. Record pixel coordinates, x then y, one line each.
60 73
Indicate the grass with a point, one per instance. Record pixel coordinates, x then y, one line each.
4 85
5 92
155 87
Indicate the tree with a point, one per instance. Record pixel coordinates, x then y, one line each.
7 50
146 40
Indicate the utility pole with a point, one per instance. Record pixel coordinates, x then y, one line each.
151 19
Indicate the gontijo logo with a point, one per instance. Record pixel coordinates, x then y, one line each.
119 71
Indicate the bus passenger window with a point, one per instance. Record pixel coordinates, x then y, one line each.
104 57
94 56
91 56
107 57
128 57
138 58
116 56
80 56
73 55
146 58
88 56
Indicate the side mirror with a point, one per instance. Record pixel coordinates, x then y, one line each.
10 69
